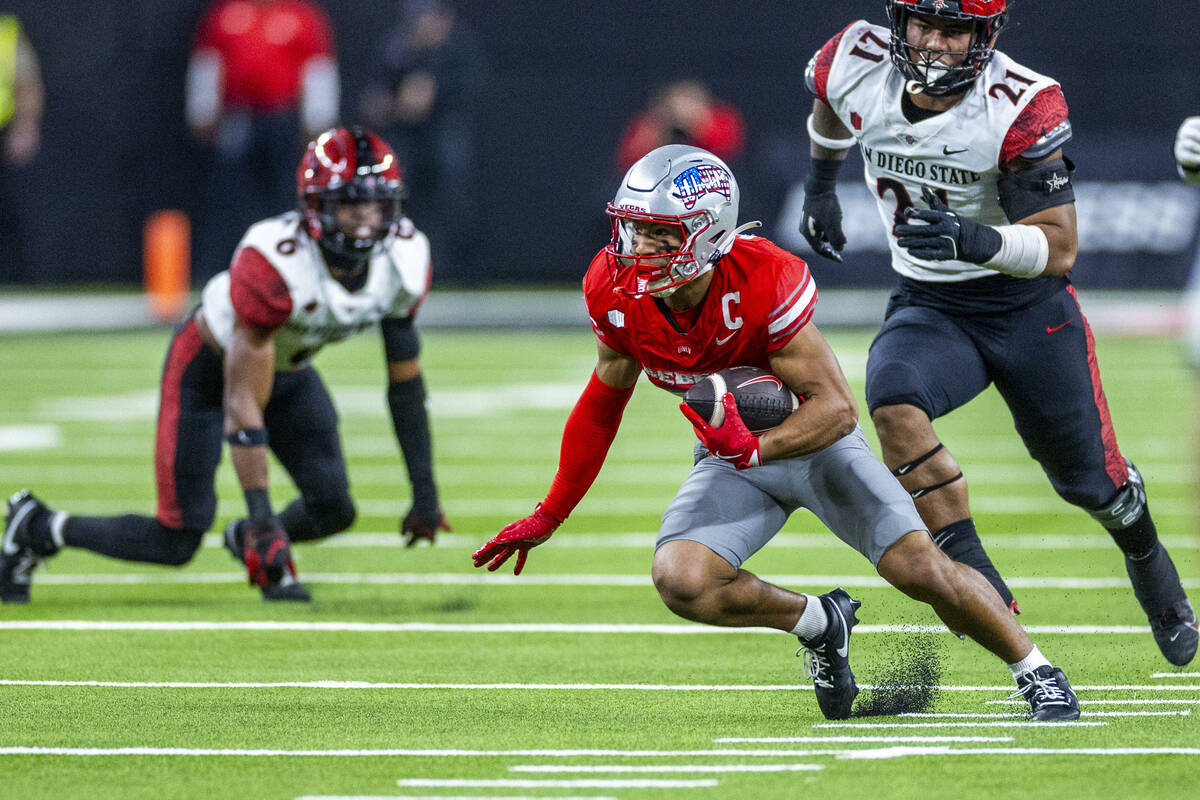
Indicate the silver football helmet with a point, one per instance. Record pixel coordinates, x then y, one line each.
677 185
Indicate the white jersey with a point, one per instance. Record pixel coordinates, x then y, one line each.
956 153
279 280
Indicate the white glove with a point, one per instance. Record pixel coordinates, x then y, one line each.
1187 149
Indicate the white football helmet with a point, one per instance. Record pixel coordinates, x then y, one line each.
677 185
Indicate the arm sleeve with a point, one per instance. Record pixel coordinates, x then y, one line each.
406 402
261 299
589 432
796 294
400 340
1041 128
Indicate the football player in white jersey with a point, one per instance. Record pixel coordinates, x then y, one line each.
962 146
238 371
1187 162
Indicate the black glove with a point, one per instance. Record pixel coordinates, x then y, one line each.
422 524
947 236
821 221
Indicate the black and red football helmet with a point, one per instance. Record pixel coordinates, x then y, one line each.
348 165
919 65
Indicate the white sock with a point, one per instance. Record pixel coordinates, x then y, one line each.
1029 663
813 621
56 528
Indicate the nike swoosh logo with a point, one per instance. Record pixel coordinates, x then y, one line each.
721 341
904 470
844 650
1057 328
946 151
1176 636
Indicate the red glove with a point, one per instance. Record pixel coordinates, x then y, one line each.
732 441
516 537
418 525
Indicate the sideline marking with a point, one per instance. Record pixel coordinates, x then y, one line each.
512 627
630 687
487 579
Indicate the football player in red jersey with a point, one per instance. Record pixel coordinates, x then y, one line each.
984 293
238 370
678 293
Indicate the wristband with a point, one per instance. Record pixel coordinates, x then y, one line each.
825 141
1024 251
247 437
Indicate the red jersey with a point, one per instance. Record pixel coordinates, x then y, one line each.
760 296
263 49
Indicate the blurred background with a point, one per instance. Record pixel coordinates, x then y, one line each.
540 98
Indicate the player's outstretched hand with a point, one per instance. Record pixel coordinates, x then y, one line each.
731 441
1187 147
418 525
821 223
516 537
943 235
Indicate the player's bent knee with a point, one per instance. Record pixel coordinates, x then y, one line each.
686 579
333 515
176 547
916 566
899 420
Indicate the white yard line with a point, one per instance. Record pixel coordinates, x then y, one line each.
1143 701
904 752
887 752
577 783
489 579
586 687
451 797
663 768
1176 675
1184 713
993 724
513 627
853 739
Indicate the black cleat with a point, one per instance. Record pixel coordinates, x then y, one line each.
267 555
22 549
1050 696
1176 632
827 657
1157 588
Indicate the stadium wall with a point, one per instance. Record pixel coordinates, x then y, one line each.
564 78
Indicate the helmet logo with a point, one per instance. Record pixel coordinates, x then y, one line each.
692 184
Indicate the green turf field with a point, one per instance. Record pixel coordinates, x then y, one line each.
413 675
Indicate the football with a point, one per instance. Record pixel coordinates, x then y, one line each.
762 399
